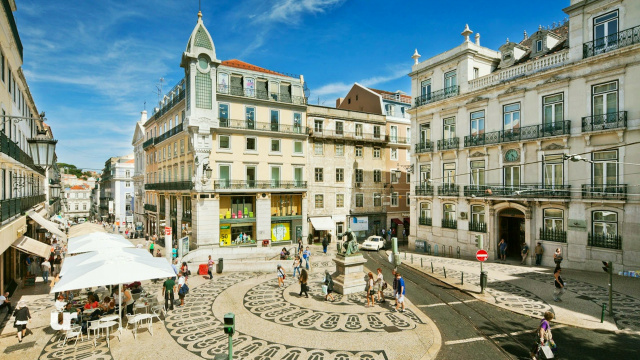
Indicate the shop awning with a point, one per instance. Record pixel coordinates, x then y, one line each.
322 223
396 221
51 227
32 246
407 220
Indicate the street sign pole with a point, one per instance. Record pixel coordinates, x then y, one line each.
168 243
482 256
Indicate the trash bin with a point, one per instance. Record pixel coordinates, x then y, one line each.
219 266
483 280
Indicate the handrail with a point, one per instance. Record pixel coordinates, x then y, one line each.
445 93
263 126
519 134
611 42
612 120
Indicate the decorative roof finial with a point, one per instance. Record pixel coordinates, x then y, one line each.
539 27
478 39
199 15
507 40
415 57
525 35
466 32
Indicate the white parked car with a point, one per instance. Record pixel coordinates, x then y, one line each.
373 243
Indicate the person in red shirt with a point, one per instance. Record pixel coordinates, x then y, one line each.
92 303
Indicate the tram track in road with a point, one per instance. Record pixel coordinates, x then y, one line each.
467 309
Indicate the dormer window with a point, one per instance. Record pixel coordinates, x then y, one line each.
538 45
506 57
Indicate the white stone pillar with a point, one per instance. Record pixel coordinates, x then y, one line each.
206 220
263 217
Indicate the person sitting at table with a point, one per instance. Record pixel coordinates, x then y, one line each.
135 288
108 306
92 303
60 303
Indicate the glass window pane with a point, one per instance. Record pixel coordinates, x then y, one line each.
612 102
559 113
612 173
553 213
598 105
605 155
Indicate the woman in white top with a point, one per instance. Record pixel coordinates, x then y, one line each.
379 283
181 281
60 303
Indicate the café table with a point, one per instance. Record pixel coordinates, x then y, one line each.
104 325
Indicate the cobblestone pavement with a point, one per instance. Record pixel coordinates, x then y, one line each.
508 290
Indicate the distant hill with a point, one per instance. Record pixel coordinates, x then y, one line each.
72 169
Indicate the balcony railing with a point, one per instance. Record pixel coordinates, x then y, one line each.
609 241
147 144
399 140
223 184
437 95
7 146
424 147
263 126
553 235
176 129
397 97
611 42
477 226
449 190
15 206
174 185
261 94
177 94
425 221
519 191
448 144
424 189
449 224
349 135
152 208
523 133
604 192
614 120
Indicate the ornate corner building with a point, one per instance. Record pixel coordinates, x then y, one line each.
535 142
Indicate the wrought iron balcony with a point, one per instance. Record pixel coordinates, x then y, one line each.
147 144
399 140
349 135
449 224
553 235
173 97
519 191
519 134
477 226
174 185
437 95
261 94
609 241
263 126
424 189
614 120
448 190
176 129
448 144
424 147
425 221
223 184
152 208
604 192
7 146
611 42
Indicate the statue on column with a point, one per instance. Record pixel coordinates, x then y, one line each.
350 245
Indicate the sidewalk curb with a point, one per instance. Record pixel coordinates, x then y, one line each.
482 298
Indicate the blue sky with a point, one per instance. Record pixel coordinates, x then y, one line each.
91 65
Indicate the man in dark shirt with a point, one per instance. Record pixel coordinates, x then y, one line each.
169 288
400 292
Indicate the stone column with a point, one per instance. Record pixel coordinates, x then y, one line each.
168 242
263 217
206 220
179 217
305 223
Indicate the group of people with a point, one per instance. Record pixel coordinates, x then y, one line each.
170 287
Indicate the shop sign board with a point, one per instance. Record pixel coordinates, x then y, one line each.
225 235
280 232
359 223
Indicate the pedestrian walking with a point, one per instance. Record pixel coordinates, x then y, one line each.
502 245
306 255
380 286
174 266
328 282
182 287
46 268
559 284
28 261
524 252
325 243
56 264
281 275
395 286
304 278
300 246
557 257
539 250
23 317
168 289
382 232
296 266
5 302
370 290
401 292
151 246
174 252
210 263
544 339
404 234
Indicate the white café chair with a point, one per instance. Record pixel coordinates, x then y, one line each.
54 323
75 332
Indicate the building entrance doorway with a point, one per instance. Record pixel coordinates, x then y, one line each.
512 230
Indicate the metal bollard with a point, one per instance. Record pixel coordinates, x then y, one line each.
458 252
445 272
604 307
412 258
450 251
461 278
421 263
432 267
405 256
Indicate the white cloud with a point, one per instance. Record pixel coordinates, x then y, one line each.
341 88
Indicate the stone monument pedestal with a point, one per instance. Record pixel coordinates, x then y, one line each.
349 275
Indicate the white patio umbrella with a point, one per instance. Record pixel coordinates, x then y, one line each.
120 268
96 242
71 262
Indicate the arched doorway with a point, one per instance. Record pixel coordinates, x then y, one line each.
511 228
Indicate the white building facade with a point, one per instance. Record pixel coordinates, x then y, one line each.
494 132
139 218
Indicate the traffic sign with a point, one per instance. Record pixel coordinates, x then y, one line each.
482 255
167 230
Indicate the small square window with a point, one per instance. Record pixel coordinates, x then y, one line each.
377 176
376 153
358 151
359 200
252 144
339 200
339 175
318 148
319 174
275 145
319 201
339 149
297 147
394 154
224 142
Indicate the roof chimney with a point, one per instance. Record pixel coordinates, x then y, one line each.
466 32
525 35
339 101
478 39
143 116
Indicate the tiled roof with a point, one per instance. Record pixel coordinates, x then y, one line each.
80 187
130 161
384 92
244 65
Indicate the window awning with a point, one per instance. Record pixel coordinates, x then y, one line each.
51 227
32 246
322 223
396 221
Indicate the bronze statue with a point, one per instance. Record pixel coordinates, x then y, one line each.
350 245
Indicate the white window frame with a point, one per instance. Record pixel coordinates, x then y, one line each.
220 137
246 144
395 199
279 151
